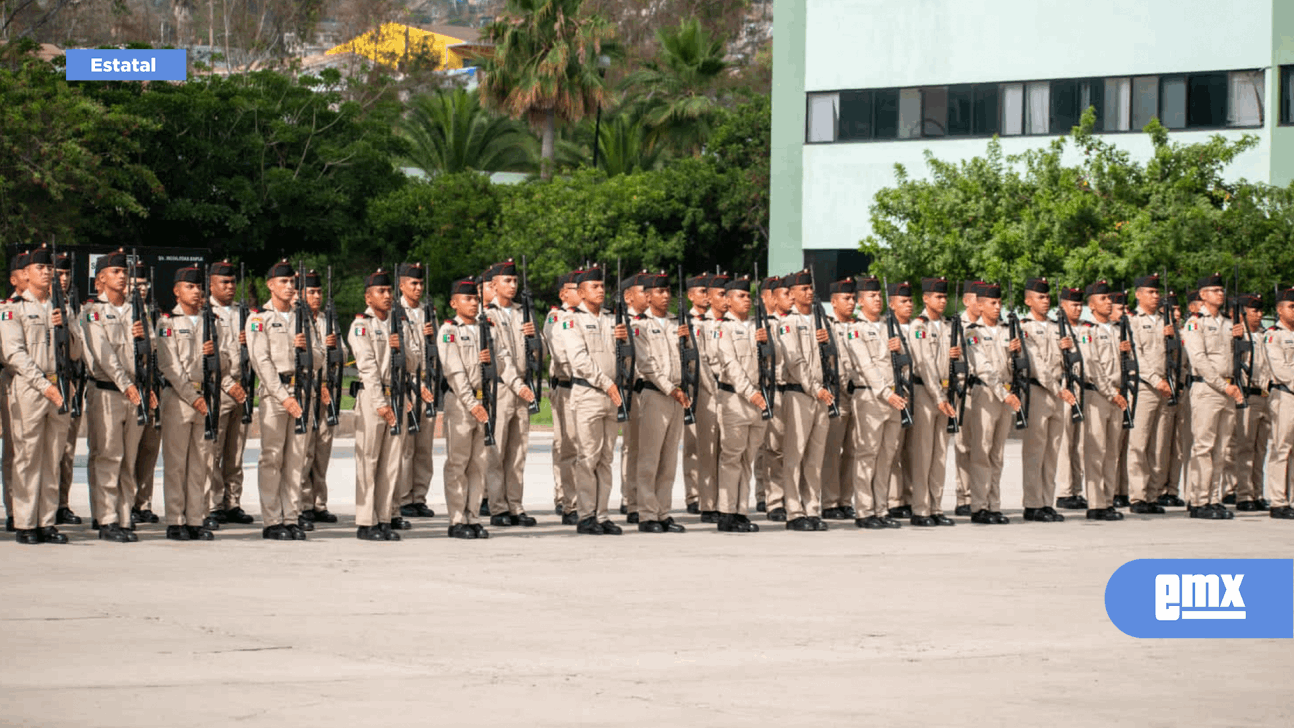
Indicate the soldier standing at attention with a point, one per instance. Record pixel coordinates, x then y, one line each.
1049 404
804 405
587 337
39 431
1103 422
1170 475
416 467
505 472
634 300
707 418
1279 343
1119 299
559 373
1070 465
17 284
989 411
696 449
658 406
318 450
272 344
226 477
838 453
64 514
763 467
188 456
113 429
1242 473
926 452
1207 339
740 404
899 299
961 449
377 451
150 440
1150 438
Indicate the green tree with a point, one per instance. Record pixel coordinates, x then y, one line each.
677 89
449 131
624 146
740 148
544 66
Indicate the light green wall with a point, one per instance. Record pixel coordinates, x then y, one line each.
1282 137
786 159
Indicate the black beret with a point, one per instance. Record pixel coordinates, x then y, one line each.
1097 289
1210 281
900 289
141 268
565 279
464 287
111 260
1150 281
738 284
988 290
653 280
1037 285
1071 294
1251 300
283 269
698 282
410 270
592 274
934 285
1119 297
868 283
40 256
312 279
506 268
719 280
800 278
1286 295
782 282
770 283
1192 296
190 274
377 278
19 261
970 287
845 286
63 262
222 268
630 282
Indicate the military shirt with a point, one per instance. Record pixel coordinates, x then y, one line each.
738 355
929 340
1278 342
799 342
509 344
701 332
867 347
109 342
558 367
656 347
989 359
1208 340
588 342
27 333
1148 340
1042 341
369 338
269 346
179 352
1099 345
459 347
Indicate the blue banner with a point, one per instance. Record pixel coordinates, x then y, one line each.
134 65
1203 598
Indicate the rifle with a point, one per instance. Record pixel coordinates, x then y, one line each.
210 364
78 367
1242 349
398 319
688 353
958 369
154 368
827 352
303 377
766 350
626 355
1129 372
143 345
431 362
534 349
333 365
246 374
64 373
900 361
1021 368
1172 348
1074 369
489 377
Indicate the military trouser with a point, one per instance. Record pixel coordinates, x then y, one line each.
1069 465
595 440
743 436
314 471
1242 473
416 467
806 438
505 475
186 460
926 454
6 385
988 422
1102 428
629 458
1148 444
773 464
278 478
39 433
837 485
660 426
1213 419
150 446
1282 443
1040 449
465 461
701 453
227 468
377 462
961 463
113 433
900 481
563 449
875 434
66 460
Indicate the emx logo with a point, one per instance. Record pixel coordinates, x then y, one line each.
1203 598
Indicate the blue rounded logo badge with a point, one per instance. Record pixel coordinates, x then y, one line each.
1203 598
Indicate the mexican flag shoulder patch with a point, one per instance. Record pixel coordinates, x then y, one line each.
168 331
359 330
566 325
89 315
447 338
6 315
257 324
1193 326
784 329
919 333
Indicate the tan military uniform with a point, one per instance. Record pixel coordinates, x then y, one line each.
1213 413
1103 420
587 341
988 417
1242 471
226 476
838 453
112 425
1180 457
273 355
318 450
900 479
38 431
377 451
416 449
1048 413
6 380
805 417
187 456
505 475
459 347
559 379
962 448
629 447
769 465
150 446
926 451
743 426
660 418
1151 433
701 441
869 383
1278 342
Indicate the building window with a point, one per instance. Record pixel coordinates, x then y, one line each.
1206 99
1012 109
1287 94
1037 110
1117 112
1172 102
934 112
824 110
886 118
1070 98
855 116
1245 98
909 113
961 105
986 118
1145 100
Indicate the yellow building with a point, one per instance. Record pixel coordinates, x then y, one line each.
394 43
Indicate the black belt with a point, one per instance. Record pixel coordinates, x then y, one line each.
974 381
100 384
726 387
642 384
1091 387
1034 381
357 386
851 387
583 382
918 381
1255 392
1278 387
790 388
562 383
285 379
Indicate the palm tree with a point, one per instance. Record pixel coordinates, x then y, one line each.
677 90
625 146
450 131
544 66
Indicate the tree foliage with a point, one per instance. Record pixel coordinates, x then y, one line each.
449 132
676 92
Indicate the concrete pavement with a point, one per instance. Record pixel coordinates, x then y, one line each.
972 625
